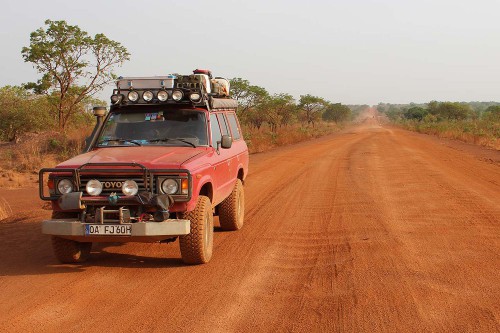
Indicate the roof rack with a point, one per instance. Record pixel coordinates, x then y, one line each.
198 89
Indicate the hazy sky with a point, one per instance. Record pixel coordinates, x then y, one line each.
353 52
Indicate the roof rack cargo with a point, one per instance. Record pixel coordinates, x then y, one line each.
198 89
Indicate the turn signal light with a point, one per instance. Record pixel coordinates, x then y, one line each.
184 186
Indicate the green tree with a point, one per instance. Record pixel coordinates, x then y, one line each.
453 110
278 110
73 65
393 113
22 112
492 113
337 112
250 99
415 112
247 95
312 107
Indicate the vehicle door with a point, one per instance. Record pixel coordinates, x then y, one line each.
239 145
220 157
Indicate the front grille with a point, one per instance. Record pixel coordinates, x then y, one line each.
112 183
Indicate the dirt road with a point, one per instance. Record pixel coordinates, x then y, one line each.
372 230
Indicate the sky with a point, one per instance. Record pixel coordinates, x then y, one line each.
352 52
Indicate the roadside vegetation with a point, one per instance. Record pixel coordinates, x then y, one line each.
47 121
474 122
271 120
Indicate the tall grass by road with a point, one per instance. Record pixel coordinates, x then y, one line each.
259 140
480 132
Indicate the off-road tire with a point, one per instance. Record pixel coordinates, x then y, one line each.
232 209
69 251
197 246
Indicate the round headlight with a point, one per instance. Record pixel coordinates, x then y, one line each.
130 187
169 186
147 96
195 97
116 99
94 187
162 95
177 95
65 186
133 96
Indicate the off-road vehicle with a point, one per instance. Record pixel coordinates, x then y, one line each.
166 158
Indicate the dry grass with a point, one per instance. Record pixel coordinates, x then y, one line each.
5 209
481 133
259 140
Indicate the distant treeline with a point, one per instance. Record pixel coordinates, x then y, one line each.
442 111
258 107
474 122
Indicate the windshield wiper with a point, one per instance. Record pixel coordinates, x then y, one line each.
120 140
174 139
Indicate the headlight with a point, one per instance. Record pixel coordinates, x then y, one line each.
162 95
116 99
177 95
195 97
130 187
94 187
147 96
169 186
65 186
133 96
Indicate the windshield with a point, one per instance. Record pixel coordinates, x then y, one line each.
162 127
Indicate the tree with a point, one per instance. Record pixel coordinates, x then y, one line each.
73 65
312 107
453 110
21 112
492 113
278 110
336 112
250 98
416 112
247 95
393 113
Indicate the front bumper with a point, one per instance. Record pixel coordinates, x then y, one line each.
141 231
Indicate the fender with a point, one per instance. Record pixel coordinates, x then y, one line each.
197 186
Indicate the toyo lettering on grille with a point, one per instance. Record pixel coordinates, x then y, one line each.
112 183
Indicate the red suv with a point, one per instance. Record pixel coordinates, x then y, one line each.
166 158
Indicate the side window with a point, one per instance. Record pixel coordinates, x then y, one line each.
214 128
223 124
233 123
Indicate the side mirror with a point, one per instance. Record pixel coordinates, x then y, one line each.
226 142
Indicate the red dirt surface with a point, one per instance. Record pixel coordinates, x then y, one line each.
372 230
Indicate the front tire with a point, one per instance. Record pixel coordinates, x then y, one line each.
69 251
197 246
232 209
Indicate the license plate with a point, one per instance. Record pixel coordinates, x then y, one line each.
114 229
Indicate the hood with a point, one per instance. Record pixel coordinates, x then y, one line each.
160 157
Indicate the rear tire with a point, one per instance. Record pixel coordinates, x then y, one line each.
69 251
197 246
232 209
